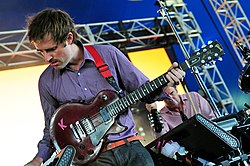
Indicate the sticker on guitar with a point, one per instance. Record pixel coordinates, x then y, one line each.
61 124
89 124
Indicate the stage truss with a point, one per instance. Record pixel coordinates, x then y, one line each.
127 35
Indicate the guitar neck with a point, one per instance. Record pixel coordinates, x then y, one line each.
200 57
120 105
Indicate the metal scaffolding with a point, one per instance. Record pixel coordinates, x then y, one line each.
15 50
193 41
234 22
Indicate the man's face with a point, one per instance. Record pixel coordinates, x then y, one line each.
172 92
56 54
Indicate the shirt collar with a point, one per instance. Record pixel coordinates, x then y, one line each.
86 55
183 97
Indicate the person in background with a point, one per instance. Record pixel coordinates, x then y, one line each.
175 111
180 108
72 76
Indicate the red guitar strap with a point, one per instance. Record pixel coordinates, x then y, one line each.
103 68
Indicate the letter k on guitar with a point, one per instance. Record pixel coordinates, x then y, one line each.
61 124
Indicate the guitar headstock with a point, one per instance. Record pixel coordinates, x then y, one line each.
155 120
206 54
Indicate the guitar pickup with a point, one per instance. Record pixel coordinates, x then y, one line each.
105 115
75 133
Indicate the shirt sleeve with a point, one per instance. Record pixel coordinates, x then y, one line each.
45 146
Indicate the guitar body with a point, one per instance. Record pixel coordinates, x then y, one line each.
70 119
244 79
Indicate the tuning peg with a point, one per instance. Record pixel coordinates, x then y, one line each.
204 50
216 54
209 42
150 116
203 46
198 53
207 65
220 59
211 46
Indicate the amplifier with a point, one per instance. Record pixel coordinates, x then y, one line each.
202 137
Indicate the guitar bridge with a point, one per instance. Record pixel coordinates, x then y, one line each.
88 125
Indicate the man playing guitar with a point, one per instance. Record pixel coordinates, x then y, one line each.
80 106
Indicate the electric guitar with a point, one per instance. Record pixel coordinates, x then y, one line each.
85 126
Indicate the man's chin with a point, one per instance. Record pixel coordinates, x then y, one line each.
57 67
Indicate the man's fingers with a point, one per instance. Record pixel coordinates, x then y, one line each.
175 76
180 74
170 78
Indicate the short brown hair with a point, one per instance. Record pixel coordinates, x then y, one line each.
53 22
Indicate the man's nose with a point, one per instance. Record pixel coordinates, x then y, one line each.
47 56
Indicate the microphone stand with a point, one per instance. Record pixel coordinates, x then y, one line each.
164 13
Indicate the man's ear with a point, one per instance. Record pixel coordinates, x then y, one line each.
70 38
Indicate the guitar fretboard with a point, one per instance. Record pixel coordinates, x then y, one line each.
132 98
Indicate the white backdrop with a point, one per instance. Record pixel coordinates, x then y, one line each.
21 120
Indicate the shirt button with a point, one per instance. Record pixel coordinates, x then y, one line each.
85 88
78 73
